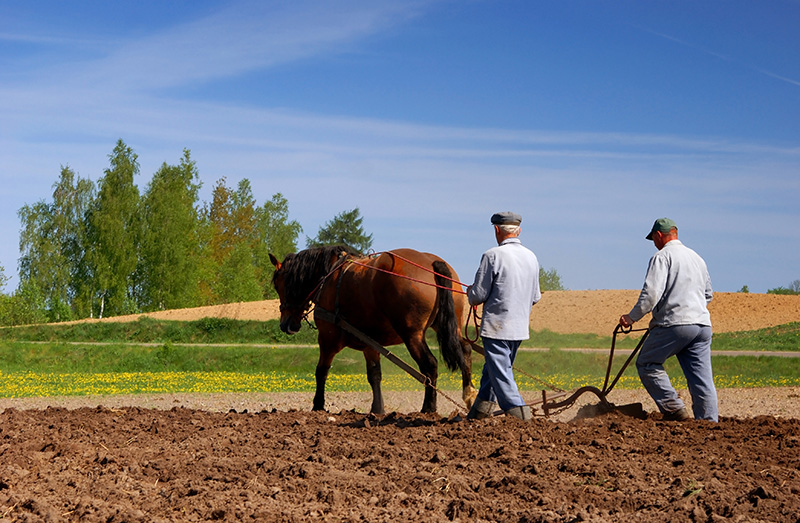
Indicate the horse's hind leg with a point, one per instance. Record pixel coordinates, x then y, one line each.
374 375
418 349
468 392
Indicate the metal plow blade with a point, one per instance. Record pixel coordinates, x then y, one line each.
634 410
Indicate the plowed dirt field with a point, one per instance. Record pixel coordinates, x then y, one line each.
228 458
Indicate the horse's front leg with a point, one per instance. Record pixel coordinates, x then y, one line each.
374 375
321 374
327 351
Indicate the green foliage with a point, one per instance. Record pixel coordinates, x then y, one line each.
550 280
792 289
238 269
277 235
345 229
104 251
114 233
27 304
781 290
745 289
169 263
53 246
236 280
16 309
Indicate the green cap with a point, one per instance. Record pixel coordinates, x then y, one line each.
662 225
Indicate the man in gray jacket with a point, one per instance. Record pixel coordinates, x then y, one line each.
677 289
507 284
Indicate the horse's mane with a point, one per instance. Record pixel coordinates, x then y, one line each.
304 270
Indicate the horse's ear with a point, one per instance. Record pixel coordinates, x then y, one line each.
275 261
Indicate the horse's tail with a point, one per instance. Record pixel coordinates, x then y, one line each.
446 319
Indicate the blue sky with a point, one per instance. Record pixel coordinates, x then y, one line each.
589 118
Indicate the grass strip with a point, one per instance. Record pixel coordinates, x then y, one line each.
148 330
223 330
244 369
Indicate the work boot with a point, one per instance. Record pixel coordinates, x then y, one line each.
481 409
522 412
676 415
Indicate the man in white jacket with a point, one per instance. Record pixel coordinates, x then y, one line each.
507 284
677 289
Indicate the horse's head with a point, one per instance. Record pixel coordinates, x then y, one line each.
299 276
292 310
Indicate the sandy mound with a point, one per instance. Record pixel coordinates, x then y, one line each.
594 312
598 311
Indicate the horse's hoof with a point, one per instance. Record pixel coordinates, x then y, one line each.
469 396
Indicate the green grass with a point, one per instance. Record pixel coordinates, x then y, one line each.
223 330
781 338
148 356
148 330
59 369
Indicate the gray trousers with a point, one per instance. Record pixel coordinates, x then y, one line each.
691 344
497 381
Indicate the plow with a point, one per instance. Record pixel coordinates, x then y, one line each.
554 403
554 400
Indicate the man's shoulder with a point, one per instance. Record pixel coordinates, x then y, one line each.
678 255
519 253
512 246
676 247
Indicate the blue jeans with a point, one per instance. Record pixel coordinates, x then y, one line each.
497 380
691 344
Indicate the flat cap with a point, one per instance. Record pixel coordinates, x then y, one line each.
663 225
506 218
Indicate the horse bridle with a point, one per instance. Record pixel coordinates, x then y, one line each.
310 302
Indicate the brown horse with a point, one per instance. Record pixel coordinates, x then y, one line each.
392 297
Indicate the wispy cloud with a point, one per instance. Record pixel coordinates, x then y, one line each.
777 76
721 56
50 39
243 37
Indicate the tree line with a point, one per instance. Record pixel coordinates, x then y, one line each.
105 249
792 289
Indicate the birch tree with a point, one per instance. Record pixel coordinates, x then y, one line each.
170 260
114 232
277 235
53 247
